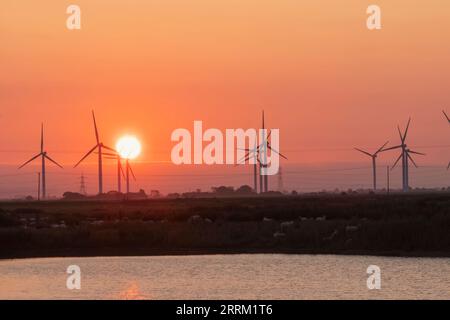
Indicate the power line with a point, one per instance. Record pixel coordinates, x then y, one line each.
286 150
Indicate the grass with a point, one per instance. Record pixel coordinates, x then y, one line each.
403 225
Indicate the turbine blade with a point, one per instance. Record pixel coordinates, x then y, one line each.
85 156
407 127
448 119
400 133
396 161
263 119
391 148
382 148
132 173
415 152
53 161
42 137
115 155
244 158
121 169
365 152
448 165
412 160
108 148
272 149
30 160
95 127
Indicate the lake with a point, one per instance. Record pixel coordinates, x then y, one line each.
244 276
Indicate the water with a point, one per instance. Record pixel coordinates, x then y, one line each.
259 276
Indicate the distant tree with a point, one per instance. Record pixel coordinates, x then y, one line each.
245 189
73 196
223 190
174 195
155 194
29 198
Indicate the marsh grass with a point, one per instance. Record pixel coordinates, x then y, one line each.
371 224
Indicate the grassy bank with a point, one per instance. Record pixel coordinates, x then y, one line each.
402 225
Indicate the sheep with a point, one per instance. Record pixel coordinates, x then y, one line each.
331 236
193 219
351 228
278 235
285 225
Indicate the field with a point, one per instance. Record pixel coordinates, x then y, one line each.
400 225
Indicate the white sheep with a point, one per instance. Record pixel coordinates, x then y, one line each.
278 235
351 228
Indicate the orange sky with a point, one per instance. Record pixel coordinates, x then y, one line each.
149 67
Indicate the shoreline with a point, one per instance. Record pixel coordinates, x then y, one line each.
142 252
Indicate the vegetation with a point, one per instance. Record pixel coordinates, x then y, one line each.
404 225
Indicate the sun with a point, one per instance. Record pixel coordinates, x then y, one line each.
128 147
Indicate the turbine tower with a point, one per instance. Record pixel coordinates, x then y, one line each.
374 162
448 119
120 173
99 146
128 170
253 154
405 155
43 154
263 170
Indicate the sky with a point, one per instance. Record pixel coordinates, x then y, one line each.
149 67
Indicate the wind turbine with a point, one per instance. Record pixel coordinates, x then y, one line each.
98 146
374 164
405 155
260 153
448 119
43 155
265 145
120 173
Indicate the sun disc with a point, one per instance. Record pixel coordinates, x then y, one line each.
128 147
